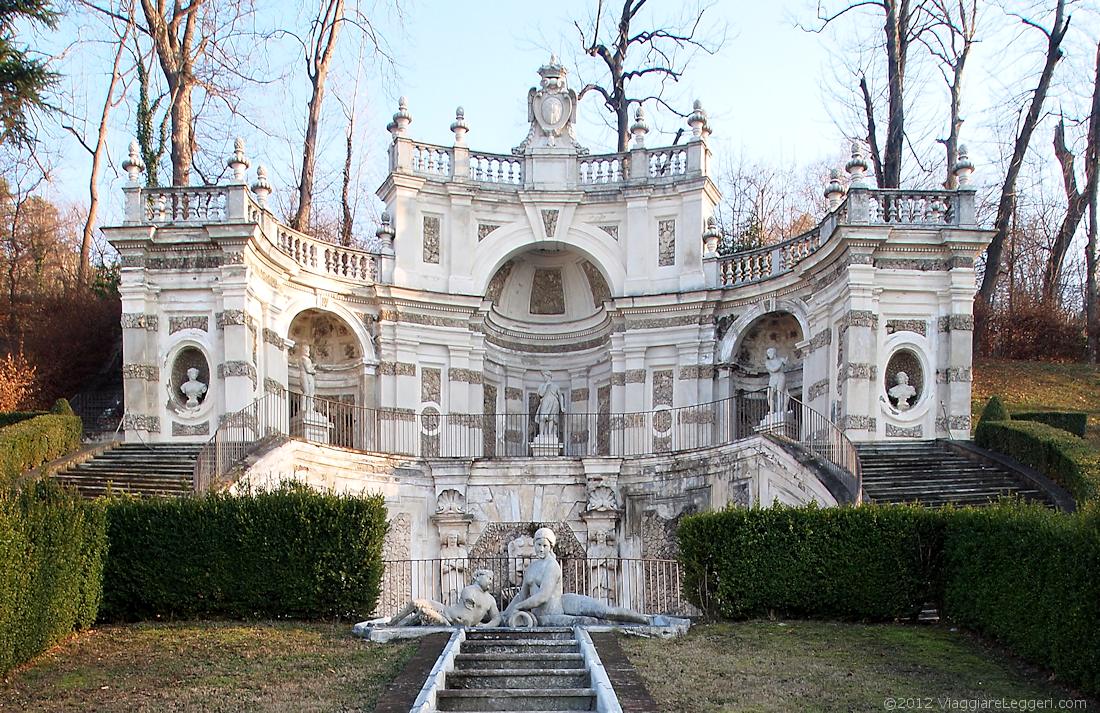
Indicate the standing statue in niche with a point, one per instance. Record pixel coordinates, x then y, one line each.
193 389
307 377
551 405
777 381
541 601
902 392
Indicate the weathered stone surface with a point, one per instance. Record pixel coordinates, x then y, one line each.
860 318
483 229
230 318
817 389
956 323
396 368
465 376
141 422
137 320
550 221
662 387
893 431
635 376
917 326
696 371
547 292
190 429
430 384
612 230
666 242
822 339
600 291
145 372
431 239
178 324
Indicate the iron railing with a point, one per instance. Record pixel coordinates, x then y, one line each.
649 586
430 434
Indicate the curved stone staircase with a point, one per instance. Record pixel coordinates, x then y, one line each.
935 474
150 470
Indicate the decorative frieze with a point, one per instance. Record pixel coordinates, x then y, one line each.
483 229
822 339
854 370
198 321
137 320
231 318
145 372
133 261
917 326
696 371
954 374
550 221
922 264
662 387
635 376
272 337
189 429
271 386
511 393
430 379
141 422
185 263
858 423
429 320
596 284
577 395
618 378
893 431
464 376
666 242
612 230
547 292
960 423
238 368
956 323
964 261
860 318
682 320
817 389
396 368
860 259
496 284
696 415
431 239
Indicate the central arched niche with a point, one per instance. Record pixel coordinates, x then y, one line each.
548 287
780 330
334 348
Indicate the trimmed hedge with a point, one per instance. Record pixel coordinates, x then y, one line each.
1075 423
52 546
7 419
30 443
1030 578
1061 456
870 562
292 552
1018 573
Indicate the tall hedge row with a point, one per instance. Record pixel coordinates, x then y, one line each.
30 443
1069 421
1061 456
52 547
1018 573
870 562
293 552
1030 578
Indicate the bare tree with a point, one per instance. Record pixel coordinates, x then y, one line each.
1092 297
904 22
1007 202
98 150
953 28
661 54
319 50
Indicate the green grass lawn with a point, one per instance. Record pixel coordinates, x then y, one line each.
208 666
1035 386
823 666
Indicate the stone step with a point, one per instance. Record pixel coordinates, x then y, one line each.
527 646
500 678
465 661
501 634
516 699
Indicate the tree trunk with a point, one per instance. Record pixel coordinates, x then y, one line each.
897 40
345 188
300 221
182 133
1007 203
1092 298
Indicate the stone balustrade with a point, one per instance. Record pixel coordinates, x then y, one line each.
496 168
863 206
161 206
667 162
436 161
605 169
327 258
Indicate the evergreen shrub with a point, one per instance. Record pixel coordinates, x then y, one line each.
1064 458
52 546
867 563
32 442
293 552
1073 422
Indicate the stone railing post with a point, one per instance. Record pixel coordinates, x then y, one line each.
965 209
401 155
236 203
710 271
639 164
859 202
135 208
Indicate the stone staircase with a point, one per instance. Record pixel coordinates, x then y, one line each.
518 670
155 469
932 473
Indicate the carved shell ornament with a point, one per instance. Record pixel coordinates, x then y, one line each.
602 499
450 501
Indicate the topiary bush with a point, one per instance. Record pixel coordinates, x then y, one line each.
1027 576
292 552
52 546
994 411
62 407
30 443
868 563
1060 456
1075 423
6 419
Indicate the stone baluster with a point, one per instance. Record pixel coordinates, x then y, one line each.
134 167
834 191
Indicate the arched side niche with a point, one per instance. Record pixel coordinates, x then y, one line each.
905 360
336 351
188 355
779 330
